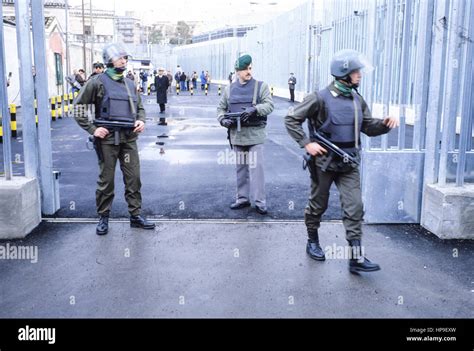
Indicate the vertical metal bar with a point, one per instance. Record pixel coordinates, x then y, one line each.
44 122
452 87
467 104
422 71
387 64
370 78
403 93
458 75
68 57
435 95
30 141
5 115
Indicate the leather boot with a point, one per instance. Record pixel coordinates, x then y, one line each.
359 263
140 222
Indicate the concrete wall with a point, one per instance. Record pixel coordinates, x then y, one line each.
20 210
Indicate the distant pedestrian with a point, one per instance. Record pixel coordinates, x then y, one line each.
291 85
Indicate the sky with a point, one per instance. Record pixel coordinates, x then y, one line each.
216 13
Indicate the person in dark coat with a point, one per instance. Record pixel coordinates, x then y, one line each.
161 85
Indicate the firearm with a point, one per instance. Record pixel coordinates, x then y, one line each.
97 147
235 116
114 127
331 147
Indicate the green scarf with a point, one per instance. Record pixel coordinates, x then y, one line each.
344 89
112 73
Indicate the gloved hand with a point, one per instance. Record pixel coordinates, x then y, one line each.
226 122
248 113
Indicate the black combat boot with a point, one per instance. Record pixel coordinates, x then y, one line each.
359 263
103 226
140 222
313 249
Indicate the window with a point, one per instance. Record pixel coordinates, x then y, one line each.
59 68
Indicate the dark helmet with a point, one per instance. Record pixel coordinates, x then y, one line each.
345 62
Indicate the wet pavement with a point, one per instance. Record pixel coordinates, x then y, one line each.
234 269
188 174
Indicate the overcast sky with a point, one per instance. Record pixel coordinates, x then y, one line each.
217 13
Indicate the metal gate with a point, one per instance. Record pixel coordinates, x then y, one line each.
421 52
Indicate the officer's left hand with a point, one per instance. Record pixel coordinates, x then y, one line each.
249 112
391 122
139 127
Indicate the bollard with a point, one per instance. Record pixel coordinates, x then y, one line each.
1 134
13 120
206 89
59 107
36 112
149 90
271 90
191 89
75 94
66 104
219 90
177 89
71 100
53 108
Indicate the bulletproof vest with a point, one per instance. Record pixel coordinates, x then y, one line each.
115 104
339 126
241 97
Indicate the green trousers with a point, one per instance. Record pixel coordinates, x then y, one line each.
348 184
127 154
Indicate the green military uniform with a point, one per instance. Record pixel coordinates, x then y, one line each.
126 152
346 176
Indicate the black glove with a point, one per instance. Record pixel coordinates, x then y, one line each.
226 122
248 113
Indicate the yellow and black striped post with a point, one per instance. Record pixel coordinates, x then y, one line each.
53 108
71 100
75 94
1 134
59 107
271 90
36 112
66 104
13 120
177 89
149 90
219 90
191 89
206 89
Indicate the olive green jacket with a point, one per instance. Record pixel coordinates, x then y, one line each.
248 135
312 107
90 95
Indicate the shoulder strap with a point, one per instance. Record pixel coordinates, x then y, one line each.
255 93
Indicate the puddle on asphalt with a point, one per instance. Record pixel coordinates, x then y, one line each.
153 152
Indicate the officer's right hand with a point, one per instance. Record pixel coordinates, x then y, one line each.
226 122
101 132
314 149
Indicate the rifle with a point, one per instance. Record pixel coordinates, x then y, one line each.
114 126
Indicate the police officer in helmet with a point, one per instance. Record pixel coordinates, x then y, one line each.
339 113
114 98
